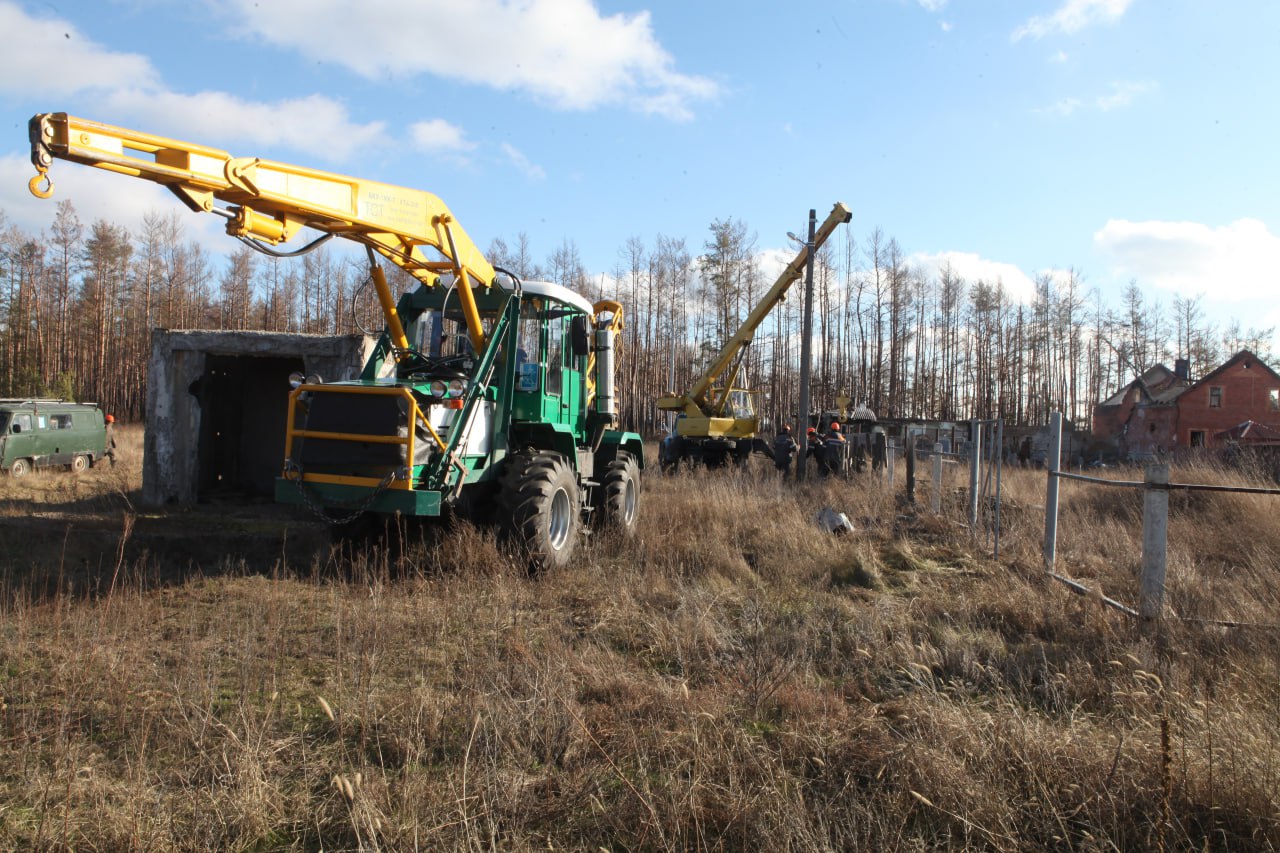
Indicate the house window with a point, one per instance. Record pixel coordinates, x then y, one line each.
1197 438
1215 396
1273 399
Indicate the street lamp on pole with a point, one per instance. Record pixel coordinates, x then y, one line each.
806 346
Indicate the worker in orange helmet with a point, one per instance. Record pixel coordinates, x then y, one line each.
832 459
110 452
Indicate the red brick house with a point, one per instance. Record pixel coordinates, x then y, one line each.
1243 389
1161 410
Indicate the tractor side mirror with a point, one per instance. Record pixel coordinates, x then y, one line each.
579 337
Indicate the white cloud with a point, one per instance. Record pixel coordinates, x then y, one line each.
1060 57
946 26
1122 94
521 162
97 194
439 136
1063 108
1071 17
562 52
974 268
1232 262
48 57
933 5
315 124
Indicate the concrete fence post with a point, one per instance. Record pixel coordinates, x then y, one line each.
890 451
1053 462
1155 540
936 498
975 472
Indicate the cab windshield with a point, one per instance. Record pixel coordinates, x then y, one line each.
438 334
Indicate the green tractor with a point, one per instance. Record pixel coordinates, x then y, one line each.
518 433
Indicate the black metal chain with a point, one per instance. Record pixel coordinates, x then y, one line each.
318 509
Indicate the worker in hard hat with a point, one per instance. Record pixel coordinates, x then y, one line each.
110 451
784 450
833 451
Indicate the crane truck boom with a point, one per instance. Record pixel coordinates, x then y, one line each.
716 418
485 394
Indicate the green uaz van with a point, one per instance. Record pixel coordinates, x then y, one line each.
41 433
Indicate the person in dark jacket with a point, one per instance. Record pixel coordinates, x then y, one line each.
784 450
833 449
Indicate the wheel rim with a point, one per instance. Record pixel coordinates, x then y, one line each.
629 502
559 519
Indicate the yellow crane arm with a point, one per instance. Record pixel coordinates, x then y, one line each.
694 402
270 202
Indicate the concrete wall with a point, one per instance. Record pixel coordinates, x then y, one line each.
181 456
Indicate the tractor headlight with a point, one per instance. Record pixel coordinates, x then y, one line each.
456 387
438 388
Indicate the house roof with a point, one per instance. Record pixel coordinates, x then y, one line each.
1243 356
1157 385
1250 432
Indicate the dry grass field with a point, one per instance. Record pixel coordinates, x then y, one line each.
733 678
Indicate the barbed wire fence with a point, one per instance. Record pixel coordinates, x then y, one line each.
1155 487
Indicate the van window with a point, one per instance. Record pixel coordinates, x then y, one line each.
21 423
60 421
42 422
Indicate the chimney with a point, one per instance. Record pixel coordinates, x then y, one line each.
1182 368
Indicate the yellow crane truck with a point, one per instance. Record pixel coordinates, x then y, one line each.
716 419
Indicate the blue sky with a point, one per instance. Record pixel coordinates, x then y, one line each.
1124 139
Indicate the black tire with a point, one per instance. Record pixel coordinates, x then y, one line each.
20 468
543 508
618 496
79 464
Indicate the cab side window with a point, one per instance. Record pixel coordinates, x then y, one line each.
555 355
21 423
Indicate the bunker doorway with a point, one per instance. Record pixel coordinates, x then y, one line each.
243 411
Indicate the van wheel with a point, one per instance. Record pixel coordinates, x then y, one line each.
19 468
79 464
543 507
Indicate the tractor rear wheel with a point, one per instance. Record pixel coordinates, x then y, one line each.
618 497
543 508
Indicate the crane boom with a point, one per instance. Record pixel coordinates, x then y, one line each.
269 202
696 402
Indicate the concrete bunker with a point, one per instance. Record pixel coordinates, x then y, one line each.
217 408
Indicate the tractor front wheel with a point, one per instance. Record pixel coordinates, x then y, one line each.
618 497
543 508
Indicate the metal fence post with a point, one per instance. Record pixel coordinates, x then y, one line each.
975 469
1053 462
936 498
1155 540
889 454
910 458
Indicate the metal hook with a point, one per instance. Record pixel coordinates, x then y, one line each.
34 185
